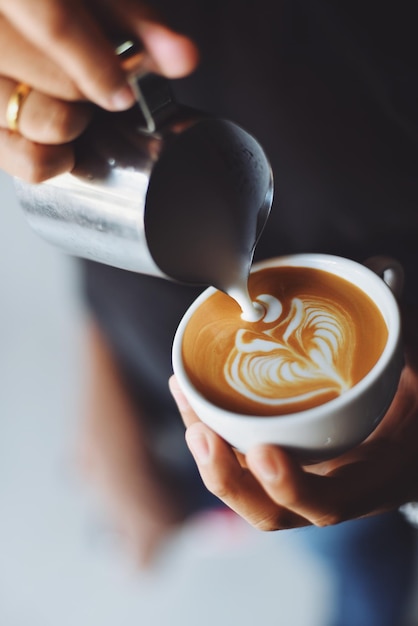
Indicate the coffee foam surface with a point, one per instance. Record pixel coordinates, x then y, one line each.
319 335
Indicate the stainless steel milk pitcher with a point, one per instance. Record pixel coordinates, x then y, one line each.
161 189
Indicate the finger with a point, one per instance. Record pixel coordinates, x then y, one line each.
354 489
66 32
224 476
70 35
186 411
31 161
25 63
288 485
168 52
173 54
44 119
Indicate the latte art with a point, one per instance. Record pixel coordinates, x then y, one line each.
317 336
308 353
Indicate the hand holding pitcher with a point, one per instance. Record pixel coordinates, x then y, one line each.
59 59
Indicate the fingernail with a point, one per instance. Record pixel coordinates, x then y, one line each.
265 464
122 99
198 445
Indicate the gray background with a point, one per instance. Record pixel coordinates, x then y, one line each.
59 562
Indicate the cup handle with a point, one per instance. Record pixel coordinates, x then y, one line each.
390 271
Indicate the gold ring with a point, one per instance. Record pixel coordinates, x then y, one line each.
14 106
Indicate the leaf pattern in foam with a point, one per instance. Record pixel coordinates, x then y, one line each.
306 354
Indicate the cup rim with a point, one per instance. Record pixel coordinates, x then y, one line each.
318 261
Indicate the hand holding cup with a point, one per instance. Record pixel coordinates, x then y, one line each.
272 489
315 374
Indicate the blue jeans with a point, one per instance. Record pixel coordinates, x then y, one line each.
371 565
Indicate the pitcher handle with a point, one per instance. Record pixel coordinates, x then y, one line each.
152 91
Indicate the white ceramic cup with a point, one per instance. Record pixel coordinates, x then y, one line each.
329 429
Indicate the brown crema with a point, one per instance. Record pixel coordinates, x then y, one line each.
319 336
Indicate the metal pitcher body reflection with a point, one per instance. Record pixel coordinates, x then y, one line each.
186 201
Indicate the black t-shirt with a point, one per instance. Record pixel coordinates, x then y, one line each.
330 90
